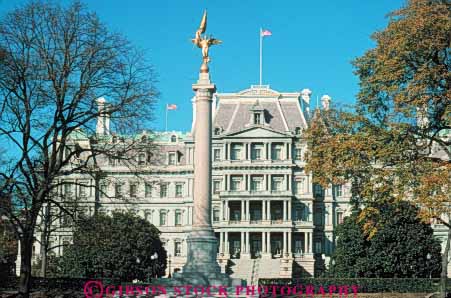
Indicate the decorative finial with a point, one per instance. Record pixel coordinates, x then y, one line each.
204 42
325 101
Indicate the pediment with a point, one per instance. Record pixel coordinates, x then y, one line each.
258 132
258 92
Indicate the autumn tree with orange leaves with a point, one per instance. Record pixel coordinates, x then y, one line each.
395 144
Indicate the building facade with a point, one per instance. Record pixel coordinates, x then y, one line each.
269 218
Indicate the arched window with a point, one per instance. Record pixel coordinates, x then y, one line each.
173 138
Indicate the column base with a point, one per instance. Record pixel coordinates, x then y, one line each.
266 256
202 248
245 256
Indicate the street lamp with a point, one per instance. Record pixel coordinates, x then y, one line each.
169 265
154 257
429 257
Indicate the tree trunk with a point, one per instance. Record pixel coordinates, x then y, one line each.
26 251
444 273
45 240
43 260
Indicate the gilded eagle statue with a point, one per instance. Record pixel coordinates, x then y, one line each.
204 42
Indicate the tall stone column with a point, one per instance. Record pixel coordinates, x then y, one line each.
202 243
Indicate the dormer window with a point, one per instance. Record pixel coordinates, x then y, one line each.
298 130
144 139
257 114
257 118
217 131
173 139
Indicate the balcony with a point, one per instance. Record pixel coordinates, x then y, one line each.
262 193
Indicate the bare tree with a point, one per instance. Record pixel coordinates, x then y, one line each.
58 63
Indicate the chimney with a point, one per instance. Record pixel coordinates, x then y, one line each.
103 120
325 101
305 94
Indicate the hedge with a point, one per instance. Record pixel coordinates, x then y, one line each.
365 285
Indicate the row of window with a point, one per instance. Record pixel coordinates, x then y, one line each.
237 152
149 190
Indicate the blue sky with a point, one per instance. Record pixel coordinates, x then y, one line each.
312 45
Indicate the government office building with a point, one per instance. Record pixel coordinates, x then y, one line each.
270 220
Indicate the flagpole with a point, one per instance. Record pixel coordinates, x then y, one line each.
261 55
166 126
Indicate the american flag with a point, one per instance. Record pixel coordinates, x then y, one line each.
266 32
171 107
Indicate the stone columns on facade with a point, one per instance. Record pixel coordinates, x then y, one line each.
284 210
226 241
284 245
248 215
289 209
268 210
289 244
221 242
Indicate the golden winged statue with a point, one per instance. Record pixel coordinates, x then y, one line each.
204 42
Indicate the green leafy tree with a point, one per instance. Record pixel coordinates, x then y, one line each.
399 249
395 144
120 246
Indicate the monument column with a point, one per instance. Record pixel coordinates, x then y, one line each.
202 243
201 267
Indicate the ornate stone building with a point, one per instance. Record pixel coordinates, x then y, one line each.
269 218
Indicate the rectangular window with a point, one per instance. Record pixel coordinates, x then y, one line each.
256 183
298 153
235 185
103 190
148 190
179 190
216 186
148 215
276 152
298 185
317 190
178 249
276 183
298 247
256 151
216 154
133 190
235 152
257 118
178 218
318 247
163 190
172 158
68 189
163 218
82 190
118 190
319 216
339 218
299 212
215 215
142 159
337 191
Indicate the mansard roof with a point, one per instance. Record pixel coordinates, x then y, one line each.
283 112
